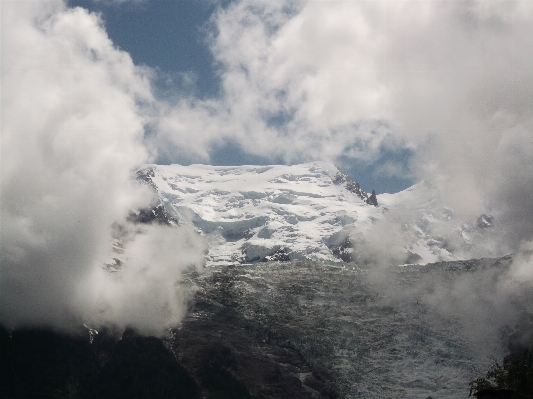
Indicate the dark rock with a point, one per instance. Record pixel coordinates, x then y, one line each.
144 176
103 344
236 235
342 178
344 250
494 393
38 363
142 367
269 330
157 214
372 200
276 253
281 255
221 347
44 363
306 329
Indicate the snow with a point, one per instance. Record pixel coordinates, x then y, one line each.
250 212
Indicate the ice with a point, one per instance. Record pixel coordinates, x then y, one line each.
305 208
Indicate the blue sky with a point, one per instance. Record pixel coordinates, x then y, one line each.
167 35
173 38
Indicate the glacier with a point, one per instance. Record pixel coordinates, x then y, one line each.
331 322
312 211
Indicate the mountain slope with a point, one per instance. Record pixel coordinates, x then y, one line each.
331 329
311 211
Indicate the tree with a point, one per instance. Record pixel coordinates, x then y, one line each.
515 373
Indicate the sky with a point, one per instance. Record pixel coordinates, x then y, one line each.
393 92
174 38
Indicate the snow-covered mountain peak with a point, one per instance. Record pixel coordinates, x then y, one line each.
309 211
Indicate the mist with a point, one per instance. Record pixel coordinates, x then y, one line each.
74 110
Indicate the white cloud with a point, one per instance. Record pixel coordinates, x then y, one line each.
324 79
148 292
73 110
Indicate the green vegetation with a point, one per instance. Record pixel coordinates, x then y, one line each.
45 364
40 363
37 363
216 377
515 373
141 367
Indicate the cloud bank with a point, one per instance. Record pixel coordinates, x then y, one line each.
74 109
347 81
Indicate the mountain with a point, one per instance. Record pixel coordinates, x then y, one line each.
312 211
306 299
304 329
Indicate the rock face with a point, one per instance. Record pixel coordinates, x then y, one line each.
372 200
342 178
273 330
221 338
258 214
157 214
305 329
312 211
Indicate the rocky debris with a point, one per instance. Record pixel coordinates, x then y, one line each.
217 341
274 330
372 200
342 178
305 329
156 214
